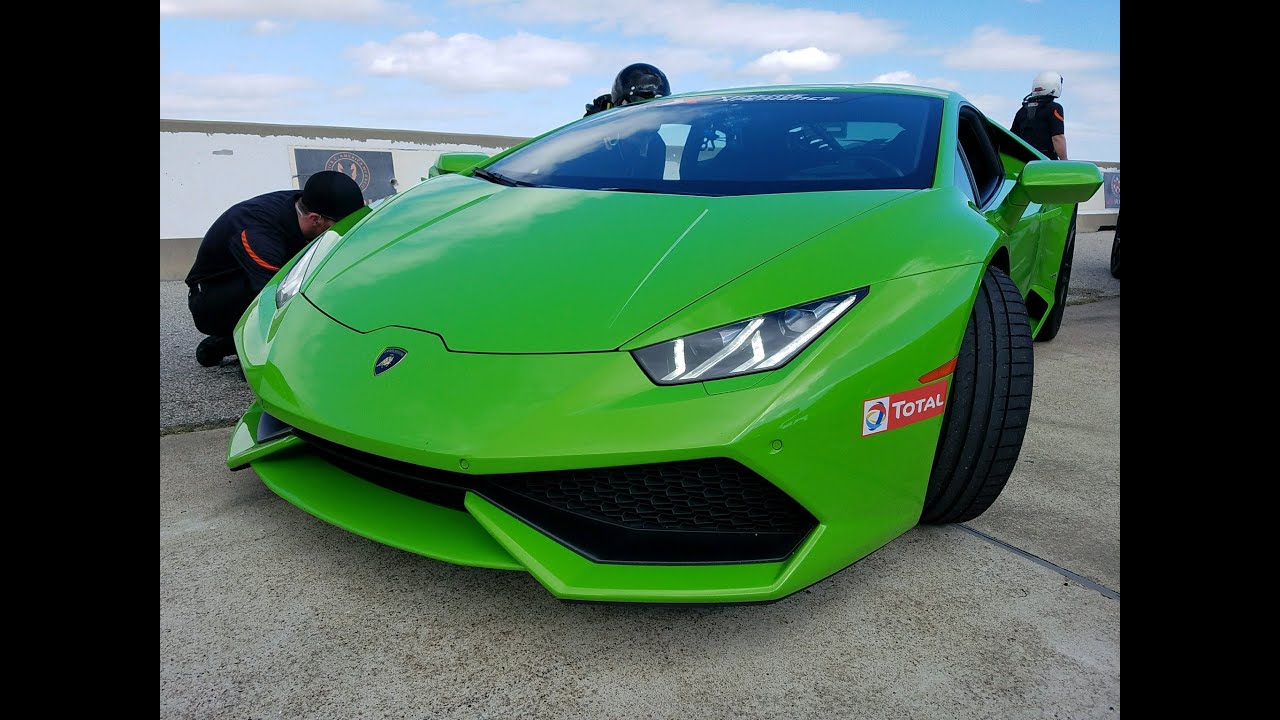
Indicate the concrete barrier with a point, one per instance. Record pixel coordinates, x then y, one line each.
1101 210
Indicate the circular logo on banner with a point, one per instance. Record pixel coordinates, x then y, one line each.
876 414
351 165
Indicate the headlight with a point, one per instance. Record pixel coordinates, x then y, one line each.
765 342
310 259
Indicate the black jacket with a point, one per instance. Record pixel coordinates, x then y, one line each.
1037 121
254 237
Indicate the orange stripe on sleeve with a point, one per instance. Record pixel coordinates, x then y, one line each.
1058 115
244 240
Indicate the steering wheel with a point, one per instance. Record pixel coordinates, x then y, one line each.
880 164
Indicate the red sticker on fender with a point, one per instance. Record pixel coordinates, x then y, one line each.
899 409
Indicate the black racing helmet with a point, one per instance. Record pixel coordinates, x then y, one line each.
638 82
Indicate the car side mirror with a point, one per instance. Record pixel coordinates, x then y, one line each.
448 163
1056 181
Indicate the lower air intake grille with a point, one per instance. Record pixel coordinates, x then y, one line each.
691 512
715 495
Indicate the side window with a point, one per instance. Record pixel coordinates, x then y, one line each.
976 147
964 180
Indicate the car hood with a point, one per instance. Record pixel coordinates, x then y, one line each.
547 270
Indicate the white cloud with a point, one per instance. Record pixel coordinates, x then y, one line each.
243 84
1101 96
228 94
906 77
992 48
349 92
310 9
999 108
471 62
897 77
266 27
712 23
678 63
781 63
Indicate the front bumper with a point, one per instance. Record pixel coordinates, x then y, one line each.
482 424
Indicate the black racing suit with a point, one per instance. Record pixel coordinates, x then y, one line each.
242 251
1038 121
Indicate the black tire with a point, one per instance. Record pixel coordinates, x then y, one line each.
1053 323
1115 251
990 404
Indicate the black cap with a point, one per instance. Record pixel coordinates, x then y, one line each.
332 194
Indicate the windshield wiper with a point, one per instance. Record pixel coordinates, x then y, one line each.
494 177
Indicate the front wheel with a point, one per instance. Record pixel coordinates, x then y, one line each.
990 403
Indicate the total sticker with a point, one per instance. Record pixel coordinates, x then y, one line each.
901 409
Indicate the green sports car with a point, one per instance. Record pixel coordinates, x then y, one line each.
709 348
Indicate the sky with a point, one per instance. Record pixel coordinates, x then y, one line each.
523 67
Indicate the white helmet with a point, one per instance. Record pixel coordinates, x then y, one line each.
1047 83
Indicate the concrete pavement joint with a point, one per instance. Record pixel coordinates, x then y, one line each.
1105 591
1090 298
195 427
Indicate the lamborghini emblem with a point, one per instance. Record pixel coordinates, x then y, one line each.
388 359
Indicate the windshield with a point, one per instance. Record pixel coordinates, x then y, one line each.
740 144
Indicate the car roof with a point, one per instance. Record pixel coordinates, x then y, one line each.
827 88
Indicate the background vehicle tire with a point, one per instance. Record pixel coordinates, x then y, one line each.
1053 323
990 404
1115 251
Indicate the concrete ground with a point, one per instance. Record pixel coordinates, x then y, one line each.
266 611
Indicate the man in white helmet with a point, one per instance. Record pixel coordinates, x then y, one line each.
1040 119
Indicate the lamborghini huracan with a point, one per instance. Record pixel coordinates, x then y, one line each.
714 347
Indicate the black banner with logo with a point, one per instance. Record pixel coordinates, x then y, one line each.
1111 189
372 170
